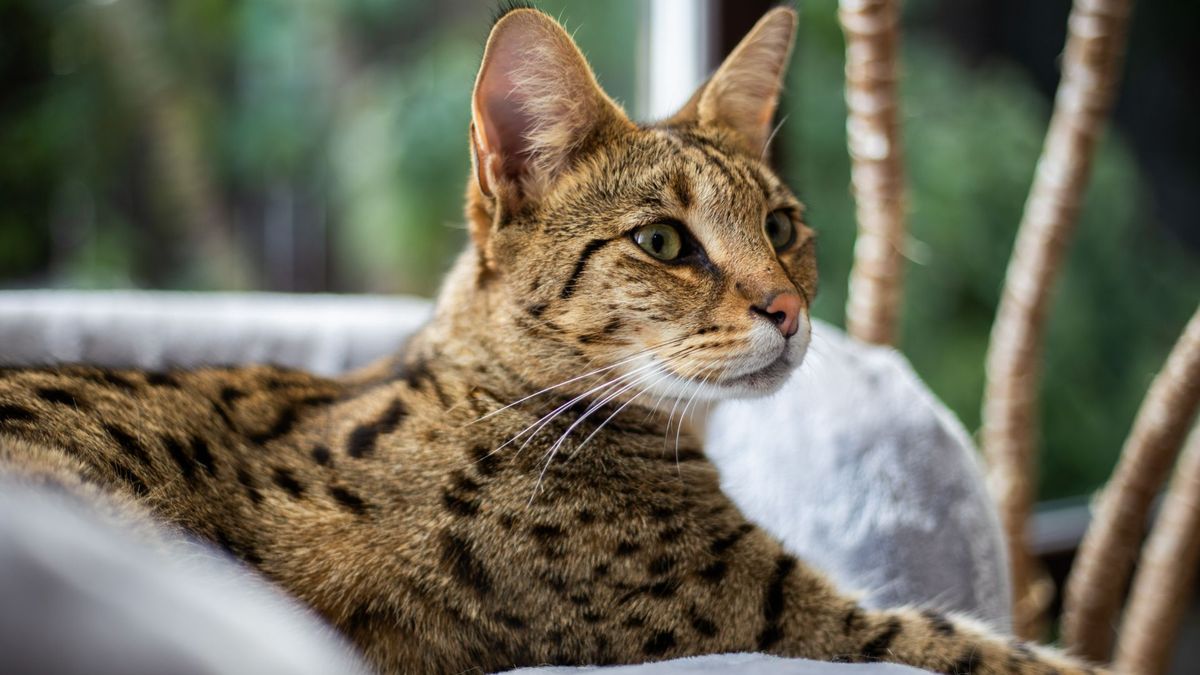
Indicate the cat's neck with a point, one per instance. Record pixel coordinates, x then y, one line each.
473 332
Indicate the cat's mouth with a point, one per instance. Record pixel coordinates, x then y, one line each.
766 379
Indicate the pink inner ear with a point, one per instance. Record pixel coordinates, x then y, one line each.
506 120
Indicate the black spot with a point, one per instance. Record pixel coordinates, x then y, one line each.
459 505
220 411
456 553
662 512
230 394
130 478
661 565
612 326
286 480
545 533
580 599
187 467
852 621
770 635
128 443
486 461
14 413
600 571
628 548
773 602
663 589
773 599
589 250
592 616
938 623
878 647
966 664
683 194
557 582
511 620
671 534
659 643
360 620
586 516
536 310
242 551
634 622
704 625
111 379
248 483
715 572
282 426
60 397
317 400
201 454
723 544
321 455
348 499
162 380
364 437
464 482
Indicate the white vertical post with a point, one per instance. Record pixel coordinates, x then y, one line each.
677 40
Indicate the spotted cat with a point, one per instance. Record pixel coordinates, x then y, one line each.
499 493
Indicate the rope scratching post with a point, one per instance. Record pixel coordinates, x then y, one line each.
877 173
1095 43
1094 589
1166 574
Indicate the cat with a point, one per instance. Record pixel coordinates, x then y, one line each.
429 506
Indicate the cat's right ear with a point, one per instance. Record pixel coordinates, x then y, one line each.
536 104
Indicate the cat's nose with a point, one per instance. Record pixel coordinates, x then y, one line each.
783 310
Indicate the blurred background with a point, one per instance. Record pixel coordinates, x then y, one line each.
320 145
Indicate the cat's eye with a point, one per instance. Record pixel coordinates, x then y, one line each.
660 240
780 230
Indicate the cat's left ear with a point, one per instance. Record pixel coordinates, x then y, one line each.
536 105
743 93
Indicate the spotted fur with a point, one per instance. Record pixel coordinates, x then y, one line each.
429 507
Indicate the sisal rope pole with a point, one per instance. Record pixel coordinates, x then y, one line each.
1097 581
1095 43
1166 574
872 35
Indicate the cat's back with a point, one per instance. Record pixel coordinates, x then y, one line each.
161 437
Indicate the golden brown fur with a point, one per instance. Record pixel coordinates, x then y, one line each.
443 531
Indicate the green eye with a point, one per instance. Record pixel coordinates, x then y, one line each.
659 240
780 231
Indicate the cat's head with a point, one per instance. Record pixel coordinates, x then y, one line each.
670 251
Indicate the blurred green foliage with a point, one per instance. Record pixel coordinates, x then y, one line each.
309 145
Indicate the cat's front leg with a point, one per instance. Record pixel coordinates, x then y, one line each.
801 614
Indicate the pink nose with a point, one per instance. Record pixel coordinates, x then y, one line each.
783 309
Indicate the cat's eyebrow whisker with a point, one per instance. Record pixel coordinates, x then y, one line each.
634 357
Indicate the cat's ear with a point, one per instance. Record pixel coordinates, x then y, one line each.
536 104
743 93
